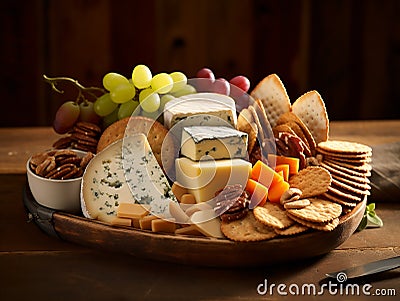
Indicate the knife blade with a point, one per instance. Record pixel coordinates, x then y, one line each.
366 269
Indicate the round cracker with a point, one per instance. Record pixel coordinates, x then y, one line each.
319 211
298 204
345 167
292 230
273 215
357 185
328 226
339 201
343 171
282 128
361 156
344 147
161 143
348 188
312 181
355 162
247 229
299 128
348 197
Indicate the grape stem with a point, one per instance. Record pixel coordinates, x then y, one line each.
81 89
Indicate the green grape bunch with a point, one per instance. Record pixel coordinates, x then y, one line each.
120 97
142 94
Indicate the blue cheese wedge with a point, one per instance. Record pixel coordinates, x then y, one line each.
144 176
103 185
206 104
125 172
214 142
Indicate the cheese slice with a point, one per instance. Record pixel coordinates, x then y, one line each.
144 176
214 108
204 178
125 172
207 223
213 142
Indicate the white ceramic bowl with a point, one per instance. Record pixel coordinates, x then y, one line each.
63 195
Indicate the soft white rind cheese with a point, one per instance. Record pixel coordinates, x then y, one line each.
216 142
207 104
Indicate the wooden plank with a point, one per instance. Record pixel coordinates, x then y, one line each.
92 275
276 42
21 60
132 35
78 45
195 34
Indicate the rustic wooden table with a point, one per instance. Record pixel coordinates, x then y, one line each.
37 266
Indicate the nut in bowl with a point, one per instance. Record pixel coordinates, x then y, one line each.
55 177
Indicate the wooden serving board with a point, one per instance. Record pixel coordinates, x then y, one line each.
191 250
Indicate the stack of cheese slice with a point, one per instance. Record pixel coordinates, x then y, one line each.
212 150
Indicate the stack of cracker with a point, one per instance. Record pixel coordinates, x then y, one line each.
320 214
349 165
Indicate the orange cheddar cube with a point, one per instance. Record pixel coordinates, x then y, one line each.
258 193
276 191
284 168
265 175
275 160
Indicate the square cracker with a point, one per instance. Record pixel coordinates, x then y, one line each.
273 96
310 108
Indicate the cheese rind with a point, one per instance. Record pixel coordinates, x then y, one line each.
208 105
204 178
214 142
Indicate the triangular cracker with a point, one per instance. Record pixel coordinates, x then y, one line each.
273 96
310 108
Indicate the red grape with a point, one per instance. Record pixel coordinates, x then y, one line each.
66 116
87 113
205 73
222 86
241 82
203 84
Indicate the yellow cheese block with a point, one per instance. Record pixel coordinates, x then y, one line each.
162 225
204 178
129 210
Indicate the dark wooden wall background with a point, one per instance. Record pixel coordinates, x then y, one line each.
347 50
